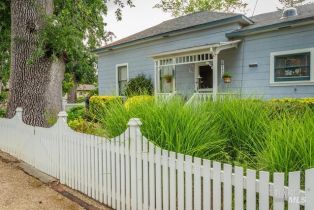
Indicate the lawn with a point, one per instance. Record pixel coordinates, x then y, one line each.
273 135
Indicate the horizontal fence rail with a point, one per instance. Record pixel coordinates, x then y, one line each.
129 172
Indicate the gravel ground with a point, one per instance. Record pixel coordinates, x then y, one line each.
19 191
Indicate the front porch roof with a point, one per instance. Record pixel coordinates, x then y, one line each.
211 48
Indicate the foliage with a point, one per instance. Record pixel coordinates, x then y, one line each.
2 113
98 103
182 7
226 75
172 126
3 97
76 113
291 3
247 132
139 85
5 40
83 126
136 100
67 83
290 143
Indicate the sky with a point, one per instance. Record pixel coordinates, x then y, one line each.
143 15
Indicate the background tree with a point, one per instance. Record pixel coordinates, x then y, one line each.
5 41
292 3
47 37
182 7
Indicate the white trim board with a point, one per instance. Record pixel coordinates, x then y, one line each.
291 83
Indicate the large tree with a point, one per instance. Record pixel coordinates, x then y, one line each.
292 3
48 36
182 7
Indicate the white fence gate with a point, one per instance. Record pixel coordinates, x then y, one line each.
128 172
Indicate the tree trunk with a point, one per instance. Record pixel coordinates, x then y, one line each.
72 93
35 87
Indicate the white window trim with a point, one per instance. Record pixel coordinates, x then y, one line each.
291 83
117 75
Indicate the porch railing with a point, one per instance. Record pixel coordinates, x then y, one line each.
165 96
203 97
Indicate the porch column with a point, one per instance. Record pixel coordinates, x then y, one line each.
215 75
156 77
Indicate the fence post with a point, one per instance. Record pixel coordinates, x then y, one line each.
62 122
135 137
19 113
64 104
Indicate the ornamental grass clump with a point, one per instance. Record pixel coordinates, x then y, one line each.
290 143
172 126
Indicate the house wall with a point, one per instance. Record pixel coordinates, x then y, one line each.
257 49
140 62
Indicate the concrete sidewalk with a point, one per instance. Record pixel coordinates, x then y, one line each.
20 190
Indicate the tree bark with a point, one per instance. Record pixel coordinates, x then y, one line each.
72 93
35 87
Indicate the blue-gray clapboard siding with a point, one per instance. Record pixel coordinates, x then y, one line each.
257 49
248 81
140 62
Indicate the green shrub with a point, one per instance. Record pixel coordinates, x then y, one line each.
2 113
3 97
76 113
139 85
99 103
83 126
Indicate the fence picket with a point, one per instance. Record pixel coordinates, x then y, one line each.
207 196
197 184
180 161
122 158
109 172
118 174
165 180
251 190
216 186
158 179
152 176
263 190
238 188
278 198
188 183
293 191
127 172
113 173
139 177
227 190
172 181
309 189
145 176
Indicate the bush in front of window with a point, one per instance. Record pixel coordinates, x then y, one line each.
139 85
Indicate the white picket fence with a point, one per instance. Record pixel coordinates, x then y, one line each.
128 172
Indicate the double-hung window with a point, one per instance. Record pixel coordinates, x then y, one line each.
122 78
295 66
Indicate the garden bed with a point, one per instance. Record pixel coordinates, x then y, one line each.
272 135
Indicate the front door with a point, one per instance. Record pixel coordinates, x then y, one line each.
205 78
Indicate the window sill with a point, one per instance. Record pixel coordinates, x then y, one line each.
282 84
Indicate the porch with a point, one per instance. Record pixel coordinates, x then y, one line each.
193 73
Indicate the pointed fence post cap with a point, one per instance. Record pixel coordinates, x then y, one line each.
134 122
19 110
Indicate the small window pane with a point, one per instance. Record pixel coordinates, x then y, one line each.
294 67
122 78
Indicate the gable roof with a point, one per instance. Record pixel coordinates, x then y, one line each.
274 19
255 24
183 23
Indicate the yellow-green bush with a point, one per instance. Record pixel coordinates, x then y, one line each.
98 103
136 100
83 126
307 101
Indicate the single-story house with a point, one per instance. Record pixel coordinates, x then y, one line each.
269 55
